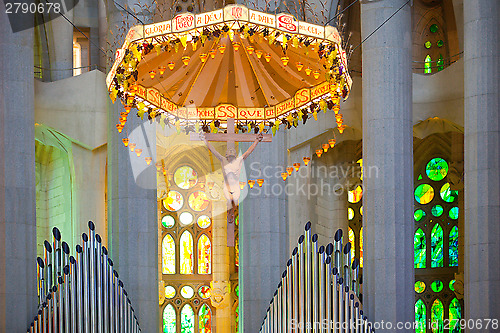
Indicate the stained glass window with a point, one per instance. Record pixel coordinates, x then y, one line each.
186 253
420 246
455 316
204 292
355 195
437 246
169 292
452 285
198 201
204 255
453 214
419 287
420 313
350 213
187 319
204 221
168 221
437 316
440 63
437 286
453 248
436 169
428 65
437 210
440 43
174 201
428 44
169 319
185 177
424 194
168 255
361 247
447 194
187 292
434 28
352 240
419 214
205 319
186 218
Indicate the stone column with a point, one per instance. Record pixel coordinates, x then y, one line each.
61 47
263 233
482 160
18 297
388 272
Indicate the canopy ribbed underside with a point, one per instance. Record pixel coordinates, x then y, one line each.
234 77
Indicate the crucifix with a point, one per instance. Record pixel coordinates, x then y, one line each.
231 165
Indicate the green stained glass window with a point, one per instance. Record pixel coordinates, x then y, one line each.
453 213
420 177
447 194
420 246
237 290
424 194
440 63
437 286
419 214
437 210
428 44
420 314
187 319
436 169
455 316
434 28
419 287
205 319
437 317
169 319
452 285
437 246
453 249
350 213
440 43
428 65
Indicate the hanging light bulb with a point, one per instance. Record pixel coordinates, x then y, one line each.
306 160
284 175
132 146
319 152
336 109
164 172
332 142
128 107
162 69
259 53
316 74
285 60
212 53
185 60
250 49
171 65
148 160
251 183
236 46
325 147
125 141
138 152
130 99
267 57
119 127
210 185
222 48
152 74
242 185
203 57
289 170
341 129
158 165
308 71
299 66
296 166
260 182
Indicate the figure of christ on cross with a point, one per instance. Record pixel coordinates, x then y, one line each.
231 166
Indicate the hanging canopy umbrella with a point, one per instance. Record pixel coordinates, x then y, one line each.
261 69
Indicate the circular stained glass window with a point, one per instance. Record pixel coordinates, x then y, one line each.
428 44
169 292
437 210
437 286
361 210
434 28
440 43
186 218
187 292
419 287
167 221
204 221
355 195
447 194
174 201
185 177
204 292
452 285
453 214
350 213
424 193
419 214
198 201
436 169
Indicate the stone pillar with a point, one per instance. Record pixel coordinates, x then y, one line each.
388 272
61 47
482 160
18 297
263 233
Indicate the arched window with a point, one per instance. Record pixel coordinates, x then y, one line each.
186 252
355 215
204 255
187 319
168 255
352 240
361 247
437 316
420 249
455 311
169 319
428 64
205 319
420 314
437 246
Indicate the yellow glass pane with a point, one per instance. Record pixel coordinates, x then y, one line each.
350 213
168 255
204 255
204 221
169 292
352 240
174 201
186 253
198 201
185 177
355 195
361 247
